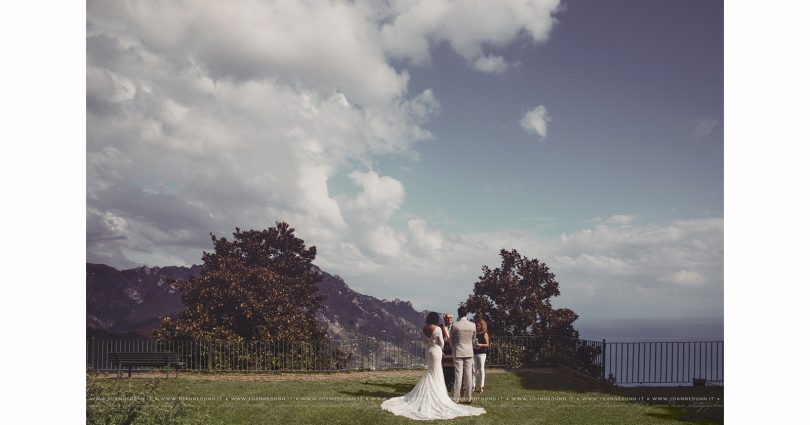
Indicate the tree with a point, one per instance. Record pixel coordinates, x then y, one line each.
261 285
515 299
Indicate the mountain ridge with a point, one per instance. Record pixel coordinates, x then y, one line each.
128 303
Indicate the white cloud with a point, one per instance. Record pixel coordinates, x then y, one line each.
491 64
383 240
467 26
380 197
599 263
114 224
322 45
536 121
702 129
425 239
197 123
620 219
616 269
685 277
651 269
201 117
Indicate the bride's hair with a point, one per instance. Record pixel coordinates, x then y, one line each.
433 318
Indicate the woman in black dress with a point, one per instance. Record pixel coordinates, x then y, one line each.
480 350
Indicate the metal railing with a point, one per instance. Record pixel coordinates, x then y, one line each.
583 355
614 362
664 362
265 356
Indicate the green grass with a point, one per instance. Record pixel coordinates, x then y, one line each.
513 397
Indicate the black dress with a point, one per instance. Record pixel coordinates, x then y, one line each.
480 341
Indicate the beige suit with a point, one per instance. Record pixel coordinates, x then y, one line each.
462 337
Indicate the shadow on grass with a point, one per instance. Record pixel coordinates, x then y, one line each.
557 379
679 414
396 390
708 409
672 399
671 413
365 393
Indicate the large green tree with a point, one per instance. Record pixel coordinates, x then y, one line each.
260 285
515 299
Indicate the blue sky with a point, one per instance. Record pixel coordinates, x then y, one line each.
389 135
628 85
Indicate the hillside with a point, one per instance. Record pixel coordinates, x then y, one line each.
124 303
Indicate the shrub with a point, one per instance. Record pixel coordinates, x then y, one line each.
509 353
117 402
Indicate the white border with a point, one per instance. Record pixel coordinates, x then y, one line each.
42 157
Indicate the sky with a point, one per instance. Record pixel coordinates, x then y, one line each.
411 140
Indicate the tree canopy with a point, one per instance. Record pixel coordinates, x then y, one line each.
515 299
260 285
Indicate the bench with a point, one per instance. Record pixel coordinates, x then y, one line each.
127 359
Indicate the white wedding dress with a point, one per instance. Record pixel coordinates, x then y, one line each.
428 399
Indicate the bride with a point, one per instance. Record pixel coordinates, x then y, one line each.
428 399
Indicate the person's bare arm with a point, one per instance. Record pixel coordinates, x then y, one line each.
486 341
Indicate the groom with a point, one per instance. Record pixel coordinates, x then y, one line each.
462 336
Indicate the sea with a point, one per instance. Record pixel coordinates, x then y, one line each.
651 329
661 352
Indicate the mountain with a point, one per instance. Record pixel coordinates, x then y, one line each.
349 314
126 303
131 301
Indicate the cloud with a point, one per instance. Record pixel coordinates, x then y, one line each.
468 27
642 269
491 64
380 197
322 45
686 277
620 219
384 241
202 117
702 129
614 268
425 239
536 121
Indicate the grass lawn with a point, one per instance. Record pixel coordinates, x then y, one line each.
529 396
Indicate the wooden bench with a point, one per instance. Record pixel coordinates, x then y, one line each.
128 359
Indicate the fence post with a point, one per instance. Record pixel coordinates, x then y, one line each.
92 353
210 354
603 358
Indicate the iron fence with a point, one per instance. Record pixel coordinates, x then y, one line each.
582 355
265 356
664 362
614 362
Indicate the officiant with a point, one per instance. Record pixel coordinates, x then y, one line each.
447 353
